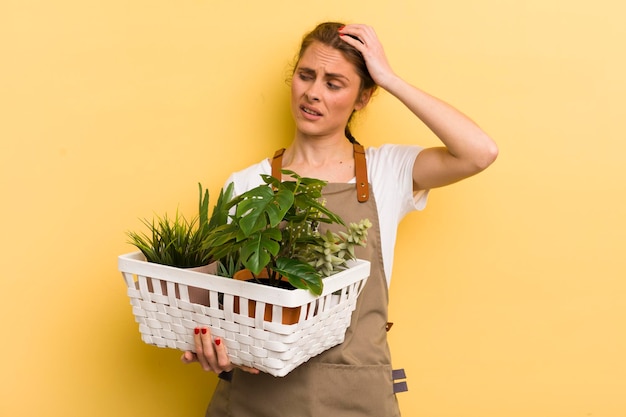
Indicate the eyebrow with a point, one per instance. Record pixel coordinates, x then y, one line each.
326 74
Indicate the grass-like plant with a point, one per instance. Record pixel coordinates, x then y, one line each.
178 241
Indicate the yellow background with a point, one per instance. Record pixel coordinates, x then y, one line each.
509 290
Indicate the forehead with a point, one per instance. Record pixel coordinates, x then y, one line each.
325 59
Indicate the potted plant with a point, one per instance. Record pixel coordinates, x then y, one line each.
273 227
178 241
273 233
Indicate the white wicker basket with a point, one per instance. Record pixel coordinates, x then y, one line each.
161 304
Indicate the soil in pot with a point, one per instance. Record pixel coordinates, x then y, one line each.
290 314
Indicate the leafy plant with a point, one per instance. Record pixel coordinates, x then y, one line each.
180 242
275 227
329 251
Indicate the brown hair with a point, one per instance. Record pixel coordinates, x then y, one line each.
328 34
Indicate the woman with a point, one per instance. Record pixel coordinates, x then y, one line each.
338 69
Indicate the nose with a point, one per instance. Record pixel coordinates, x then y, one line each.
312 93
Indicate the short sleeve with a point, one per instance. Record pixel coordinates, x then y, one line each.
390 172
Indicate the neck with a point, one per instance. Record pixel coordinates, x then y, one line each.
318 152
329 159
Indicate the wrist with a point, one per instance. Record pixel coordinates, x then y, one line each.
392 84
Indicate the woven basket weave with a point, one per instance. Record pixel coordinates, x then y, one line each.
167 315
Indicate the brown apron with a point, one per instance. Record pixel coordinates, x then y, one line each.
349 380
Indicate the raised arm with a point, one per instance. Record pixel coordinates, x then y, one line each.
467 148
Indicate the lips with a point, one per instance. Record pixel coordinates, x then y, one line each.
311 111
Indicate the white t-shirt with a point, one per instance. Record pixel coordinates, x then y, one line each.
390 173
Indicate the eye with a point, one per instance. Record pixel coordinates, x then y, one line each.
333 86
304 76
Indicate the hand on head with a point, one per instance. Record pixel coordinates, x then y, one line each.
364 39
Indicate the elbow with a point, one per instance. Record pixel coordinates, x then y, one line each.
491 154
487 156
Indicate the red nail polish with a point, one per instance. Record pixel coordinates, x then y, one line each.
218 341
341 28
196 330
203 331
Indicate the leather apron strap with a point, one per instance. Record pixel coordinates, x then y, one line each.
360 171
277 163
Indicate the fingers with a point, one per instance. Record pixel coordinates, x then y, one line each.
205 353
365 40
188 357
223 361
358 34
249 370
211 353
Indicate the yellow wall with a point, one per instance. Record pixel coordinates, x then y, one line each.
508 294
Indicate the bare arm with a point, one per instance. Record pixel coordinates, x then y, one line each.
467 148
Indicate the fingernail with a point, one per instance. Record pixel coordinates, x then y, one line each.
196 330
341 28
203 331
218 341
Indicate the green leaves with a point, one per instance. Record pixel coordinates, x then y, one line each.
171 241
275 226
258 249
203 209
261 208
300 274
180 242
220 211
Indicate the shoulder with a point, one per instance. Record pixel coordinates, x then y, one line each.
391 152
391 157
390 171
249 177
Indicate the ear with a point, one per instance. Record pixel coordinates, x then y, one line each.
363 99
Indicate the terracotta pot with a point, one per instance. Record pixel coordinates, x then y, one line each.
290 314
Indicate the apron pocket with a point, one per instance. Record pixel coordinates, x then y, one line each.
315 390
353 391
